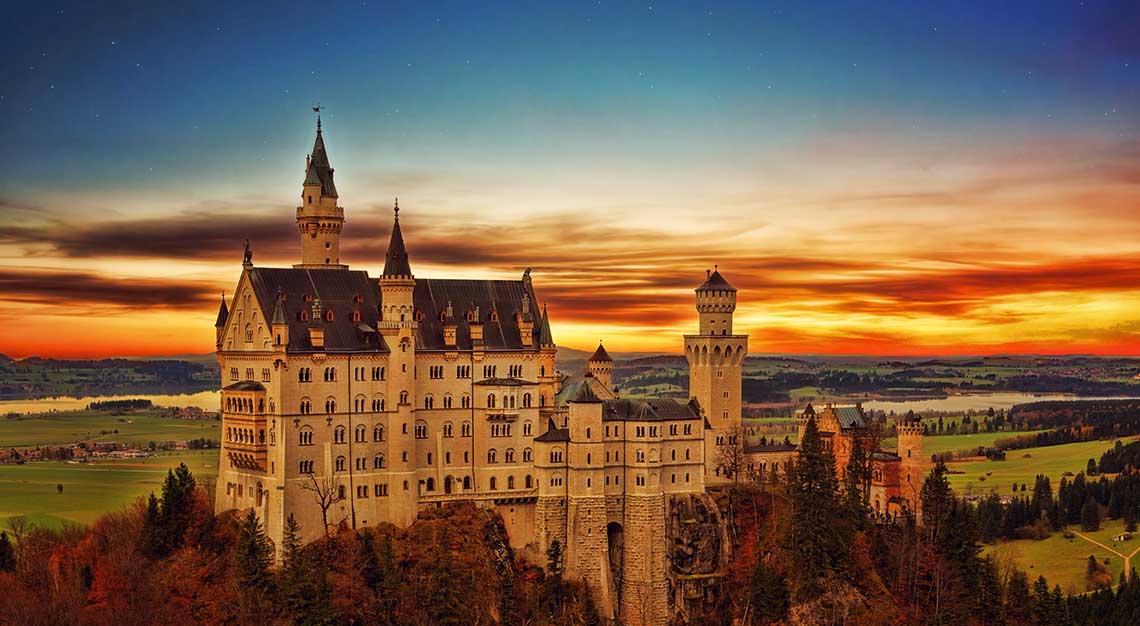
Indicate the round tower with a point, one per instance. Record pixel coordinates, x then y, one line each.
716 302
601 366
319 219
913 465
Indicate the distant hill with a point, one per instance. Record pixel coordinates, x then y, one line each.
4 358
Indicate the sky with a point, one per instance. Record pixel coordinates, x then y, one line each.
883 178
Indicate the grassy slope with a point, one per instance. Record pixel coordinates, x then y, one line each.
70 427
90 490
1063 561
1051 461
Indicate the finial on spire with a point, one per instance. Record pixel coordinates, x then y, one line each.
716 268
317 109
708 272
396 208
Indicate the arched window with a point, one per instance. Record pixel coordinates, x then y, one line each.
490 401
491 456
526 400
378 461
340 464
421 430
510 482
378 433
528 455
431 484
305 436
529 482
447 429
330 406
494 484
509 456
361 434
306 406
447 401
328 312
429 402
403 397
465 429
465 401
527 427
339 435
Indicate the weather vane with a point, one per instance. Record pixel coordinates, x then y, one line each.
317 109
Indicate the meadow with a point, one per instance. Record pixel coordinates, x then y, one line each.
1063 560
1022 466
90 489
64 427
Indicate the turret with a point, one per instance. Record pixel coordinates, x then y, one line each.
319 219
716 301
475 326
913 467
600 366
279 325
220 324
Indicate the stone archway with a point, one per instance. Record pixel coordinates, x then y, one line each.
615 536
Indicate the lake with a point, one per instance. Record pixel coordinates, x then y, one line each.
208 400
975 401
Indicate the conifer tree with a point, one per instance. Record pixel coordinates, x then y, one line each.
151 535
444 603
815 540
989 597
554 588
7 553
590 615
253 554
768 593
1090 516
1019 604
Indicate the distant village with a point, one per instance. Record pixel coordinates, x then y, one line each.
93 450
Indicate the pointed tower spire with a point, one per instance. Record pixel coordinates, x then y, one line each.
396 263
544 337
319 219
223 313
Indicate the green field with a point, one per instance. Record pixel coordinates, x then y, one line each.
1022 466
74 426
1063 561
90 490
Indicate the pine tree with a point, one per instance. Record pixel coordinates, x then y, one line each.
151 535
1019 604
989 595
253 554
444 603
7 553
554 588
590 614
1090 516
177 496
769 594
816 541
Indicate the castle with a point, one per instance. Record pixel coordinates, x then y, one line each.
356 400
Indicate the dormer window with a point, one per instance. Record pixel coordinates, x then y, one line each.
356 316
304 316
329 315
443 316
419 315
470 316
494 315
358 298
308 297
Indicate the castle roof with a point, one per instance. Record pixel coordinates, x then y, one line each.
750 448
245 385
885 456
553 434
505 382
396 263
544 336
320 172
600 355
344 292
584 393
648 410
279 316
223 313
715 282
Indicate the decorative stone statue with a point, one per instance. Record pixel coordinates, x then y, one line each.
247 258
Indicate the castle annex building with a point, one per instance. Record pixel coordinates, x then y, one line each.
356 400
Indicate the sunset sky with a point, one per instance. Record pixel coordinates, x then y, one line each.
901 178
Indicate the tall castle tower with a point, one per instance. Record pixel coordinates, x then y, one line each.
319 219
397 326
601 366
912 470
716 362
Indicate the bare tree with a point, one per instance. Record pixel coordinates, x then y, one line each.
730 454
326 492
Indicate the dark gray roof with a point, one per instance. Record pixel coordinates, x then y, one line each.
885 456
501 296
716 282
339 289
279 314
245 385
600 355
553 434
505 382
769 447
544 336
320 171
648 410
223 313
396 263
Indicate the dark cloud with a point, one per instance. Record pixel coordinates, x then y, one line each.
85 290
